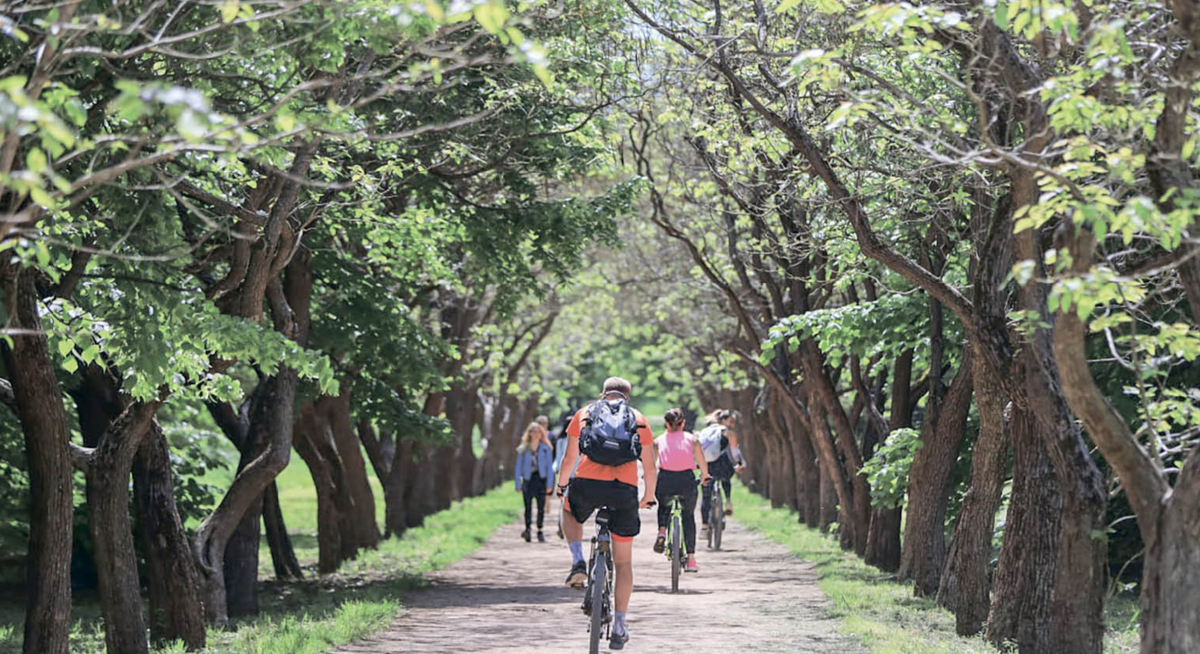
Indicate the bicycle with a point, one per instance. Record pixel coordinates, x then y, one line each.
716 515
598 591
675 540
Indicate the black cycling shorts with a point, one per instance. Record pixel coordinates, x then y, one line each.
584 496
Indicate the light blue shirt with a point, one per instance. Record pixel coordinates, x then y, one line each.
544 462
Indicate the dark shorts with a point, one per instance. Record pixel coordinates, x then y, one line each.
584 496
722 468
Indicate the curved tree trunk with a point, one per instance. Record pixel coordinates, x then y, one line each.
354 473
172 581
310 429
929 485
39 406
272 418
977 517
108 471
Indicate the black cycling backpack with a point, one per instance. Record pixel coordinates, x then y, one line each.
609 435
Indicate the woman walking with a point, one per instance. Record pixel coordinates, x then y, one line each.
535 460
678 453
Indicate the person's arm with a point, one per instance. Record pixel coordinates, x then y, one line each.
568 462
517 478
698 455
550 469
649 469
735 451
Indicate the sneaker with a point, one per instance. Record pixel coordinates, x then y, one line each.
660 543
692 566
541 537
729 510
525 535
618 640
578 575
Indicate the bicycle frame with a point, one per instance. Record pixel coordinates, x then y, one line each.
600 565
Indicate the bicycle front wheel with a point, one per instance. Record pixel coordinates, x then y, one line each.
599 570
676 554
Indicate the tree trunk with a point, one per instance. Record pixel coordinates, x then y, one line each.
1020 610
854 493
310 429
808 478
364 529
829 502
883 539
977 517
39 407
273 419
283 556
172 581
240 563
108 471
1171 581
929 483
395 490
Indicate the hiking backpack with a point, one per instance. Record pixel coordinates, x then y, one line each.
710 442
609 435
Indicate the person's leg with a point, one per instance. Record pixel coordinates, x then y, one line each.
528 496
689 520
540 497
663 509
623 584
706 504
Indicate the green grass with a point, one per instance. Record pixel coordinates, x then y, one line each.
881 613
320 612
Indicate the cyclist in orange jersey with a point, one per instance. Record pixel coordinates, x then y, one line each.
609 438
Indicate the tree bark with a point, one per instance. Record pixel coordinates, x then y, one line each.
1024 580
310 428
240 563
929 483
855 497
108 471
283 556
363 527
883 539
39 407
977 517
807 475
273 418
172 581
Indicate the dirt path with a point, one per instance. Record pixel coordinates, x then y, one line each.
508 597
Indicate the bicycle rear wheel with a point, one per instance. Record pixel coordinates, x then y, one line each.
676 554
599 570
716 522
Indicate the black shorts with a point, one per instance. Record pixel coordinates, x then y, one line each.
584 496
722 468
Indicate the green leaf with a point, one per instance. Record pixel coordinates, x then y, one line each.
492 16
787 5
35 161
229 10
1001 15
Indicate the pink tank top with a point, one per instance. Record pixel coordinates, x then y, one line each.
675 451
